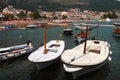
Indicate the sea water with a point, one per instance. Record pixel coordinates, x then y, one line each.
21 68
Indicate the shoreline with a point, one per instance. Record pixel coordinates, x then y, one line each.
22 24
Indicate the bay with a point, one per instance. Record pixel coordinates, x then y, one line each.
21 68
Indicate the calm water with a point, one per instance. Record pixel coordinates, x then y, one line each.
21 69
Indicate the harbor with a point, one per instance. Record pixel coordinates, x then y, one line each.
21 68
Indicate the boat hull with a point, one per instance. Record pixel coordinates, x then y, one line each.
78 63
117 24
83 70
68 32
11 55
43 65
43 60
117 35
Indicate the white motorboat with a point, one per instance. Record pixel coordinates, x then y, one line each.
31 26
117 24
86 57
67 30
15 51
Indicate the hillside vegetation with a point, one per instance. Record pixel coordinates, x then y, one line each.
53 5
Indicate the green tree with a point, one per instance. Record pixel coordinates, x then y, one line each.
44 17
8 17
64 16
114 15
35 15
105 16
54 17
22 15
110 15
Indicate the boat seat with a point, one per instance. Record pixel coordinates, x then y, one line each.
95 51
52 50
54 45
96 42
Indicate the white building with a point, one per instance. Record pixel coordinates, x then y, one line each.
12 10
9 9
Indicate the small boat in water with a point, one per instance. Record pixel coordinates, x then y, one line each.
116 32
2 27
15 51
67 31
82 26
44 58
48 54
117 24
86 57
80 37
31 26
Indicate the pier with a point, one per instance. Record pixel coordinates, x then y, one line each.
100 25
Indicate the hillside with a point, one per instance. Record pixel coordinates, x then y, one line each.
99 5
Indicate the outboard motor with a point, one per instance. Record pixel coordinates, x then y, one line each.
93 38
29 43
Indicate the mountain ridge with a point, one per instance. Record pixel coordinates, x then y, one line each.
53 5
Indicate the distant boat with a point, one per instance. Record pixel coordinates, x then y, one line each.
80 60
48 54
76 24
31 26
67 30
82 26
62 21
9 27
117 24
2 27
80 37
105 20
116 32
15 51
108 20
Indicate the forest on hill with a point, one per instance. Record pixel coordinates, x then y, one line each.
55 5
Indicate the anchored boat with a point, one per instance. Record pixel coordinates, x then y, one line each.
86 57
67 31
47 54
80 37
80 60
15 51
116 32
